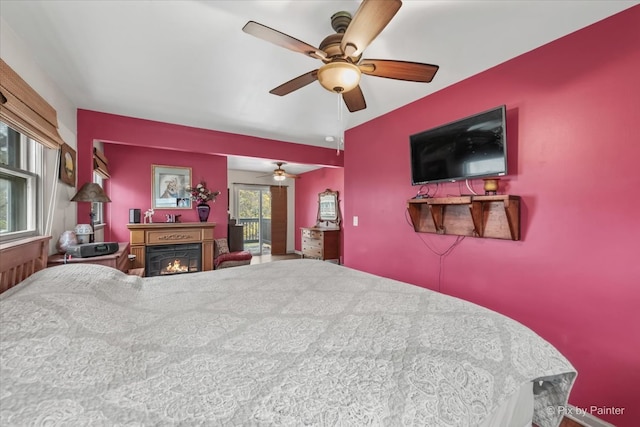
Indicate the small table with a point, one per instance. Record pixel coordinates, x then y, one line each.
119 260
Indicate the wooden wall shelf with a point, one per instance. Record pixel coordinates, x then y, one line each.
494 217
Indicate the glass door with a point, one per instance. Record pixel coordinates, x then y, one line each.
254 212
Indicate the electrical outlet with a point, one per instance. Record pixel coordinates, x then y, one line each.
355 221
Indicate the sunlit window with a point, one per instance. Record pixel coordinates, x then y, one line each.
20 169
98 208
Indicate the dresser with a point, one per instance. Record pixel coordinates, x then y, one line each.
119 260
320 244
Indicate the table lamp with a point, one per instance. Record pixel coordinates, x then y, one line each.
93 193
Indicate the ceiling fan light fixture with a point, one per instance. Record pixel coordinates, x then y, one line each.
339 76
279 177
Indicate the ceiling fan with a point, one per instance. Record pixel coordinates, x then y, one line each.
280 174
342 53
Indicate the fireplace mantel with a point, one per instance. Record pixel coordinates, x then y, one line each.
168 233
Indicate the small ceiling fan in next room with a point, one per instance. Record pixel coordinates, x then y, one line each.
279 174
341 53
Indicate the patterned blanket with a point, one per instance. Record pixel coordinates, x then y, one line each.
298 342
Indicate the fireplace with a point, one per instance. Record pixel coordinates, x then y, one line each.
173 259
142 236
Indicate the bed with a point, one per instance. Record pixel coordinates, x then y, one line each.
298 342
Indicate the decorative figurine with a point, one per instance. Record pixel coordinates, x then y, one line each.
148 217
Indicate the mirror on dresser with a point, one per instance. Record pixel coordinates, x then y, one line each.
322 241
329 216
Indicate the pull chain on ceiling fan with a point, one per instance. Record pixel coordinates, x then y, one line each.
341 125
341 53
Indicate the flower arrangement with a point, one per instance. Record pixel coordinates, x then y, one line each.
201 194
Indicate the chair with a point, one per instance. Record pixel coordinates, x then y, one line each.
223 258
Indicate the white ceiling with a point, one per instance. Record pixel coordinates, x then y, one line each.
189 62
266 165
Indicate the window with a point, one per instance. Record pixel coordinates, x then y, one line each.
20 169
98 208
253 207
100 175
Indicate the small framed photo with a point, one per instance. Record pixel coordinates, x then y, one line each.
67 165
169 187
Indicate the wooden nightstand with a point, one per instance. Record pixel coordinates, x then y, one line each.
136 272
119 260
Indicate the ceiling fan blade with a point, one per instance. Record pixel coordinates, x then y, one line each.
281 39
288 175
295 84
370 19
354 99
399 70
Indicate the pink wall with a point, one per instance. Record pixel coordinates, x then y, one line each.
179 139
307 189
130 186
573 111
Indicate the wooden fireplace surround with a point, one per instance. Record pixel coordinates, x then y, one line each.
164 233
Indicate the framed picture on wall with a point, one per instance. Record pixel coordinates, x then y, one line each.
67 165
169 187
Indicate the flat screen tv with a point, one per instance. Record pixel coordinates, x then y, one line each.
472 147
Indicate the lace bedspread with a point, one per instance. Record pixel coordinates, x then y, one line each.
298 342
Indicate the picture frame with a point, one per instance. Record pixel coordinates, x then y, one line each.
67 169
169 187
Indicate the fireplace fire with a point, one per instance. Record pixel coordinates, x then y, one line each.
175 267
173 259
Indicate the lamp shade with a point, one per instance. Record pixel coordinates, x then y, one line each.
339 76
91 192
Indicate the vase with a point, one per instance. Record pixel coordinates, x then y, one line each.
203 212
66 239
491 186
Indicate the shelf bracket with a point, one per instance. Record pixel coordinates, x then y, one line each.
477 215
511 209
437 214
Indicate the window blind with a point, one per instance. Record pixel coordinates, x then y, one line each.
100 164
25 110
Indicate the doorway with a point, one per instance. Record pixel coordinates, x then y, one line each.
254 212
